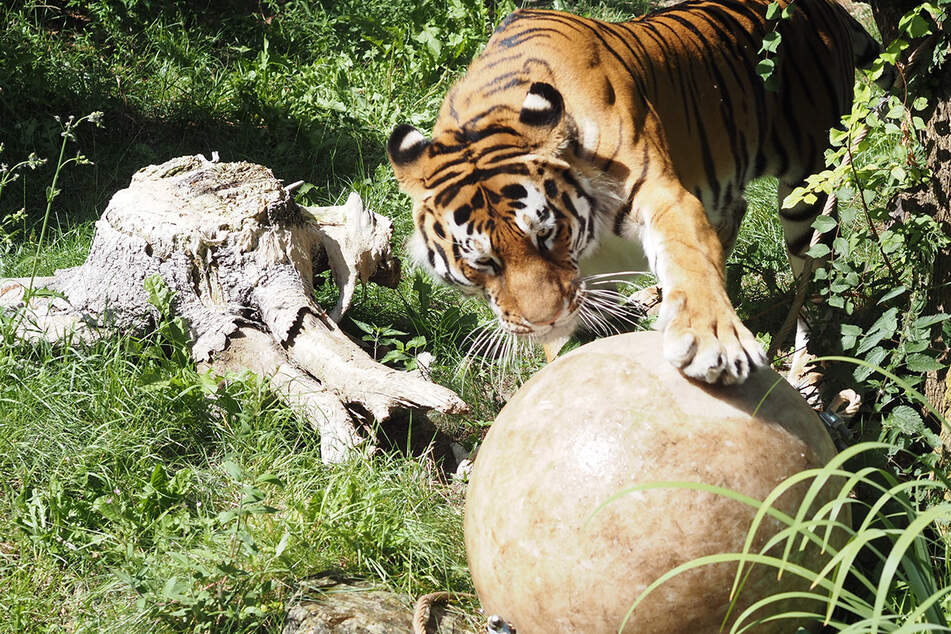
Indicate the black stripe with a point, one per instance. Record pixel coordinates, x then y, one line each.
433 184
626 209
515 153
727 107
474 121
800 214
595 28
446 196
524 36
747 63
469 135
707 157
641 56
798 245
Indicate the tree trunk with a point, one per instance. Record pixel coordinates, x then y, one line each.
934 196
239 256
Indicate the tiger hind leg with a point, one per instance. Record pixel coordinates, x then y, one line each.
800 237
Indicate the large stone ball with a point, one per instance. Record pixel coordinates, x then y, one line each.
601 419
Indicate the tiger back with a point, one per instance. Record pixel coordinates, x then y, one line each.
568 134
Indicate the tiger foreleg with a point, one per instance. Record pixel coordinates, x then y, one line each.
703 336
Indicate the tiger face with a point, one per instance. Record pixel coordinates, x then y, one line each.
497 213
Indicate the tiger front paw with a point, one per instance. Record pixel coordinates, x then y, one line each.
705 339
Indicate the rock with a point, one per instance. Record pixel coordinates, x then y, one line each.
597 421
353 607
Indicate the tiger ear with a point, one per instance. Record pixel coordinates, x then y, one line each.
543 113
543 106
405 149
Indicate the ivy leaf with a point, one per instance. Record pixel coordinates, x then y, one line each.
818 251
914 25
850 334
883 328
773 11
874 358
922 363
841 246
771 42
892 294
905 420
765 69
896 111
824 224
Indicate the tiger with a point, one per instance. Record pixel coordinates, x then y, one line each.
572 144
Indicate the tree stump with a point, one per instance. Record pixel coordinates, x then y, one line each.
240 256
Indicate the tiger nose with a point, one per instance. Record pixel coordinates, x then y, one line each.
544 306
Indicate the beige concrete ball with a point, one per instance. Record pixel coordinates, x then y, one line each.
597 421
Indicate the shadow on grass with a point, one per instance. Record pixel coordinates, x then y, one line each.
52 67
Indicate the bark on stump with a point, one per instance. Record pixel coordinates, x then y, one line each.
240 256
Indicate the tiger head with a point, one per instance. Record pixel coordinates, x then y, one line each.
499 211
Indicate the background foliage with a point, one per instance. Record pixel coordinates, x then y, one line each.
137 494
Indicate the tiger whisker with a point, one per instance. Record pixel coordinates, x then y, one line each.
500 355
612 300
478 341
491 353
605 311
497 344
488 351
477 333
598 324
481 337
590 323
508 357
613 274
609 313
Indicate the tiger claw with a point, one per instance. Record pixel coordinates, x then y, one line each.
712 350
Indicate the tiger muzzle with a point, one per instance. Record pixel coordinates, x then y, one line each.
537 298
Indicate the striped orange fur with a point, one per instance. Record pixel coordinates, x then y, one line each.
567 133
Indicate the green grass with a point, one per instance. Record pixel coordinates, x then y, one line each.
128 489
137 494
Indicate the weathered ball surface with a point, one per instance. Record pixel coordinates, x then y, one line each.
595 422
